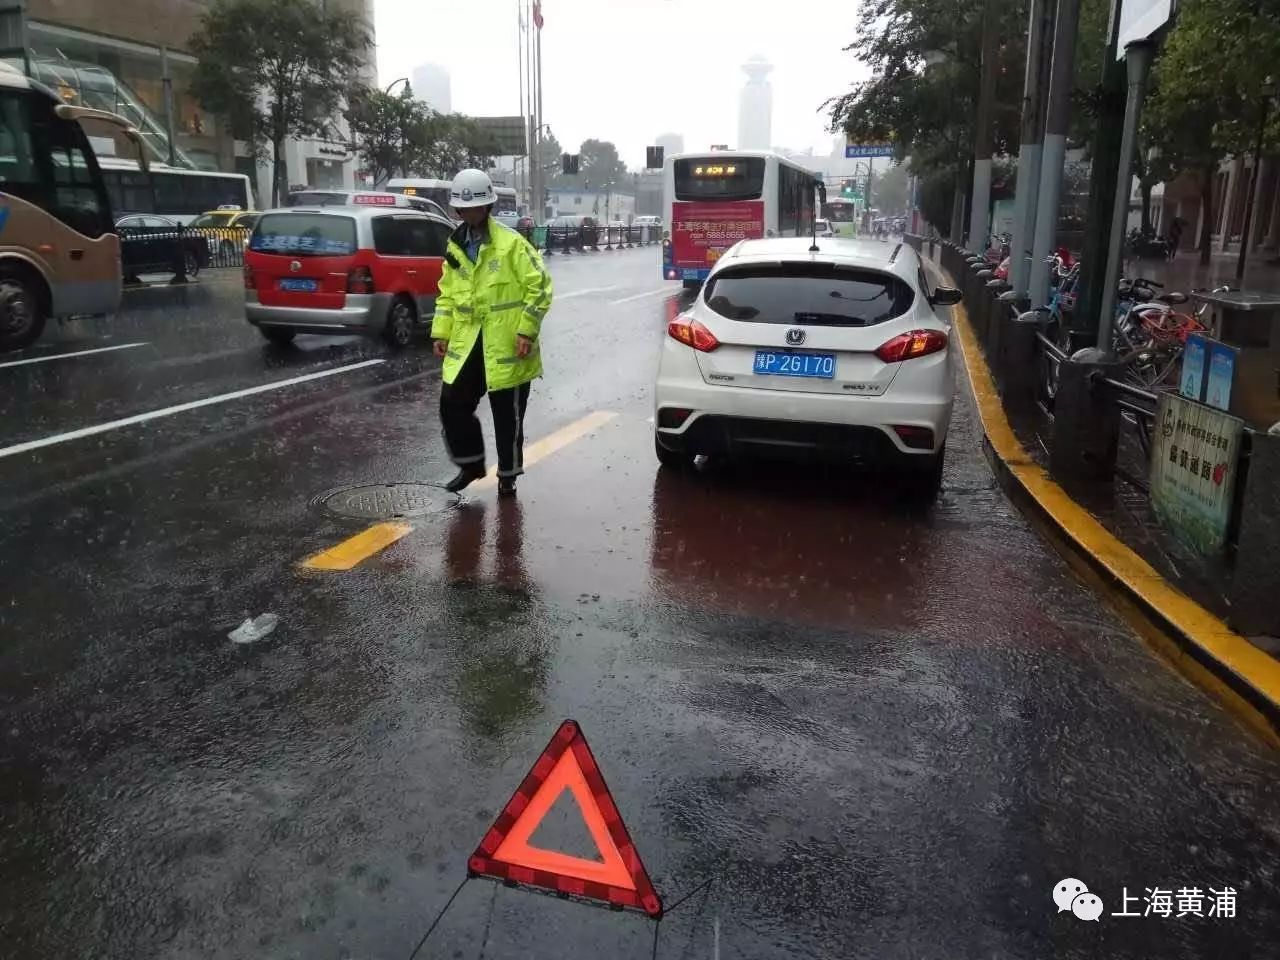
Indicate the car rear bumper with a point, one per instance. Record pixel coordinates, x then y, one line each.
728 420
360 313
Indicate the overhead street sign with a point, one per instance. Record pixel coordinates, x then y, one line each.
505 136
1139 20
852 150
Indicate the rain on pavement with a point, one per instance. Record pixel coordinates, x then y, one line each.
884 730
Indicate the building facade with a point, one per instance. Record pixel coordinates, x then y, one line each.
755 106
604 206
118 56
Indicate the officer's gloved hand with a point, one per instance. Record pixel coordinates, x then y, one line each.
438 347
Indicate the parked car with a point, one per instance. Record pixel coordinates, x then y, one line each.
226 230
369 268
836 354
152 244
569 227
822 228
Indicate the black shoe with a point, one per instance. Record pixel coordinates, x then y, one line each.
466 476
506 486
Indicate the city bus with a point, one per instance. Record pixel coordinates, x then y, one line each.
713 200
843 215
59 254
437 190
175 193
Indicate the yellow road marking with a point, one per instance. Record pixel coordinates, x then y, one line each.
363 545
551 443
366 543
1256 668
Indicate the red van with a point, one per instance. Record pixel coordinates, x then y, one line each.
371 268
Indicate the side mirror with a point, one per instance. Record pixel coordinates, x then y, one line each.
946 296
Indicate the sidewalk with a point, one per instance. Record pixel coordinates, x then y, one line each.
1185 273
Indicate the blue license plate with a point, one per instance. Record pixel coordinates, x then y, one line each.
292 283
821 365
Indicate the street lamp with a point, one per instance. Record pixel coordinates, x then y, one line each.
387 91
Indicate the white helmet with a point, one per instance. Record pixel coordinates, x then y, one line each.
471 188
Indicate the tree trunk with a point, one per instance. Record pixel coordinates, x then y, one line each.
1145 187
279 172
1206 212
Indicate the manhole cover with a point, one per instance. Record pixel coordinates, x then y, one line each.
386 501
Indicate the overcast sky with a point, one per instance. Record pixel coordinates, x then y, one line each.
629 70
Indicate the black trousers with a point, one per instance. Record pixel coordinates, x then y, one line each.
462 436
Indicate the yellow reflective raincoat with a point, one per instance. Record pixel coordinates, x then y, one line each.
505 293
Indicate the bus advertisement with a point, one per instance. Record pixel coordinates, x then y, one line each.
712 202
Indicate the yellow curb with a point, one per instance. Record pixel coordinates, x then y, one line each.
1191 623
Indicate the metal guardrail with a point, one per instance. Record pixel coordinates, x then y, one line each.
595 238
183 251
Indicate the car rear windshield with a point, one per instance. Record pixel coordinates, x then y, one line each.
212 220
718 178
304 234
821 294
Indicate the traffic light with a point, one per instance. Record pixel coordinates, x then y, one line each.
569 163
846 188
653 157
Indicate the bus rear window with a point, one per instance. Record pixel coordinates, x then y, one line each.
304 234
719 178
817 294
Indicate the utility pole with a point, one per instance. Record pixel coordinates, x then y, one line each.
537 127
1106 154
1030 147
980 211
166 83
1137 61
1055 145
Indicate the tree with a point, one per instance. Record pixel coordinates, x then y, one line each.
889 190
600 163
276 69
1211 98
386 130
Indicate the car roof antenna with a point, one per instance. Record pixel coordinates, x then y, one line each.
822 199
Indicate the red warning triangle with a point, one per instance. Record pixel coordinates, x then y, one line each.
506 854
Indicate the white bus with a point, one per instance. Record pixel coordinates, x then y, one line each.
172 192
715 199
437 190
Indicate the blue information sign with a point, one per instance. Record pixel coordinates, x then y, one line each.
1191 384
1222 374
852 150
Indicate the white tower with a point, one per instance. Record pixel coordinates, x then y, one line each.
755 110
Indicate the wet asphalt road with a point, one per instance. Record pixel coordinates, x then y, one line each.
886 731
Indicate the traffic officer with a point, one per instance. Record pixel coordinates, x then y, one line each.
494 293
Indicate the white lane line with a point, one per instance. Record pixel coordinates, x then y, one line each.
582 293
641 296
30 445
65 356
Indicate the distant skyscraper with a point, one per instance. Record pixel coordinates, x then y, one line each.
755 110
670 143
431 83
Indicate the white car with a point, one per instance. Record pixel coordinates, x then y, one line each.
837 353
822 228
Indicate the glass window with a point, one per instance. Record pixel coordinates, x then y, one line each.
19 174
719 178
304 234
388 236
441 233
79 200
819 294
419 238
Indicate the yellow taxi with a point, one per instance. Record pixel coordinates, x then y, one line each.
227 231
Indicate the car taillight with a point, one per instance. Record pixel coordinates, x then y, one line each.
692 334
248 277
359 280
907 346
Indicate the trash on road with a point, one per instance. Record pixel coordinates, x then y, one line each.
254 628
